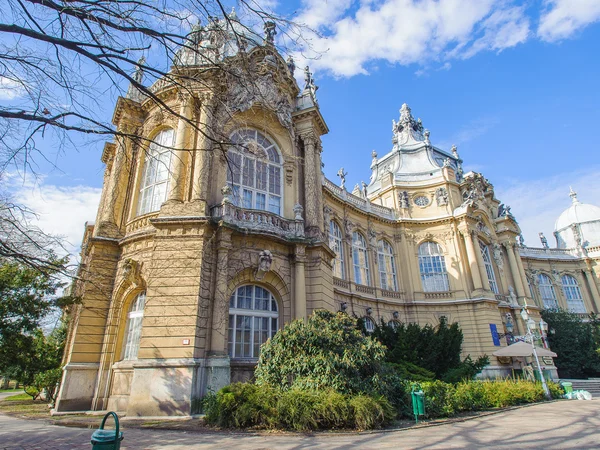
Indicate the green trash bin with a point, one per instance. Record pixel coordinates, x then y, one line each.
418 401
567 386
107 439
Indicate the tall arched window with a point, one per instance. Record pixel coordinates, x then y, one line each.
360 259
547 291
253 318
254 171
336 244
489 268
573 294
432 266
387 266
133 327
369 325
154 185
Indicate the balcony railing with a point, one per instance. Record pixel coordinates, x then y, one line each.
370 291
139 223
358 202
258 221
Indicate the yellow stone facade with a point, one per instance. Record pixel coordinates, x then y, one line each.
190 254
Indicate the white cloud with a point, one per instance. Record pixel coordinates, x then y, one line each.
61 210
562 18
355 34
10 89
537 204
470 131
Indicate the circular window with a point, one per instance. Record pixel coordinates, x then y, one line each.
421 200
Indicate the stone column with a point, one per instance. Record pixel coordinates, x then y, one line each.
203 156
472 259
180 153
589 276
481 265
514 270
220 312
312 185
300 283
522 272
113 208
218 369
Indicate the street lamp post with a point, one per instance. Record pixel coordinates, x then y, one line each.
529 337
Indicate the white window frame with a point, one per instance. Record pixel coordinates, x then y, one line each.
133 328
387 266
489 267
369 325
573 294
336 243
155 182
360 259
432 267
248 317
547 292
253 188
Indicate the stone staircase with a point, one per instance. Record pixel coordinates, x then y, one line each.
591 385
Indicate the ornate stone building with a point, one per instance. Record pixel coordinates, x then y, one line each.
218 227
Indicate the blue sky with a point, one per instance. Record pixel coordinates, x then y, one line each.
513 84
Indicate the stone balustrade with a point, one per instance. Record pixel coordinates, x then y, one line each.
259 221
358 202
368 291
139 223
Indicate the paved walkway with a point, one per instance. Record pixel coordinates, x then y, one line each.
558 425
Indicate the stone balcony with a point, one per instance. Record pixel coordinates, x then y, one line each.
347 287
258 221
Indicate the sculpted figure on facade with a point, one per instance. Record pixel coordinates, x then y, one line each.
364 190
497 254
265 259
512 296
342 174
404 200
441 196
291 65
543 240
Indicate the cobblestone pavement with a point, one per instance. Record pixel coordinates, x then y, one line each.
557 425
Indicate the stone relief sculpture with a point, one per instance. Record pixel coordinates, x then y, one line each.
497 254
403 199
441 196
512 296
291 65
265 260
298 210
132 272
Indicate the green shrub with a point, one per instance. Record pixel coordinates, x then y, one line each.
48 382
439 399
241 405
32 391
466 370
370 412
327 351
245 405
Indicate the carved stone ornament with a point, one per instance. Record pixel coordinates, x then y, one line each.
441 196
263 90
403 200
265 259
407 128
132 272
298 210
226 191
372 236
512 296
497 254
475 189
481 226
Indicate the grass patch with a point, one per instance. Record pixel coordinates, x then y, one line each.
10 390
22 396
23 406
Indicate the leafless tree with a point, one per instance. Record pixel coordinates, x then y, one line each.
60 58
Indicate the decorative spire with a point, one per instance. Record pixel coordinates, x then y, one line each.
573 196
309 84
133 92
407 129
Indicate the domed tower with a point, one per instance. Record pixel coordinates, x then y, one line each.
578 226
209 234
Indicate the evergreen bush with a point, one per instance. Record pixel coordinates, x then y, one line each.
327 351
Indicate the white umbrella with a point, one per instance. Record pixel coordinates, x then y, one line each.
523 349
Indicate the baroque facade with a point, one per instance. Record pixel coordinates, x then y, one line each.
201 250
